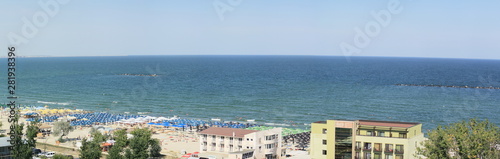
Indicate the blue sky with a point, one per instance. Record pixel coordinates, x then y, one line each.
423 28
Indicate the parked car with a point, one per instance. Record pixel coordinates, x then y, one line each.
50 154
36 151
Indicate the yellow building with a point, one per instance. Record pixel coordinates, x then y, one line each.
364 139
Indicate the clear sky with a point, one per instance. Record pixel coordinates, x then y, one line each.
420 28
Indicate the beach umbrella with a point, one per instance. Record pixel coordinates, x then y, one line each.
161 118
106 144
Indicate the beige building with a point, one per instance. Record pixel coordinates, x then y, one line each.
232 143
365 139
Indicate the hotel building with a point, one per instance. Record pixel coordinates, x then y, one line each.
365 139
231 143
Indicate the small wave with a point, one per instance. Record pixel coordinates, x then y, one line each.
449 86
43 102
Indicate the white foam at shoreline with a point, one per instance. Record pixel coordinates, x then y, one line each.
43 102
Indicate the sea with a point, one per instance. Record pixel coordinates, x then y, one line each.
288 91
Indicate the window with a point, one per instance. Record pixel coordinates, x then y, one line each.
381 133
272 137
269 146
324 142
388 156
399 149
378 147
377 156
389 148
230 147
369 133
399 156
367 146
324 131
324 152
402 135
358 145
356 155
368 155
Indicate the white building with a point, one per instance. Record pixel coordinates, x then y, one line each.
4 148
234 143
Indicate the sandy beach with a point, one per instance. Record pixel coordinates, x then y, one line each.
172 142
175 141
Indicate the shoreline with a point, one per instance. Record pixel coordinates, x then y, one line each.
173 140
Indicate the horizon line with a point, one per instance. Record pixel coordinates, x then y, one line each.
48 56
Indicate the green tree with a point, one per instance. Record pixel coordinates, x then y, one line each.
62 128
60 156
155 148
139 144
90 150
120 137
98 137
31 132
21 148
465 140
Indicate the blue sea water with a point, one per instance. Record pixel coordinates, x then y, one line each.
288 90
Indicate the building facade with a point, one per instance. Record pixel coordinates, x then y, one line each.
4 148
241 143
365 139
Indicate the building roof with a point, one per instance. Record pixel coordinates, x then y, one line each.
4 142
387 123
320 122
227 132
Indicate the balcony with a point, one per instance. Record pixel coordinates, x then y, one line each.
389 151
367 149
357 148
399 152
377 150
